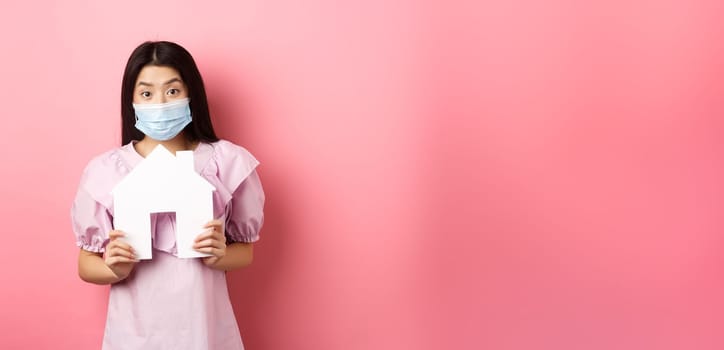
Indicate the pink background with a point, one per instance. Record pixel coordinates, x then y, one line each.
440 174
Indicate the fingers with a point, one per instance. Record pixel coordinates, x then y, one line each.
206 235
217 252
118 251
211 260
211 241
119 248
211 234
215 223
119 260
116 256
119 245
115 234
215 231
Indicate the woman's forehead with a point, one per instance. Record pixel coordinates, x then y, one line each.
158 75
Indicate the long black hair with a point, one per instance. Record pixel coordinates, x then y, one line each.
168 54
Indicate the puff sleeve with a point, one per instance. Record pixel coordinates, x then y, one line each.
91 222
91 212
245 211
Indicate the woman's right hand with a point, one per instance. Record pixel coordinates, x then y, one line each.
119 256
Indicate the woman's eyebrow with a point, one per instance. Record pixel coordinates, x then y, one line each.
173 80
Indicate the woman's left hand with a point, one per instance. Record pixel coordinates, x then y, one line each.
212 241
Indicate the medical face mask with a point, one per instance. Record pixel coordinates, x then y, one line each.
162 121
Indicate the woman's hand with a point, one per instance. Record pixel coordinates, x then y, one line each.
212 241
119 256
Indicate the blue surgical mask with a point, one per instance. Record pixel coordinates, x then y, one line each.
162 121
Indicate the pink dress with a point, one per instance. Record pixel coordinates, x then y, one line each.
168 302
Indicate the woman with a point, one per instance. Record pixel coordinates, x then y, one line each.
168 302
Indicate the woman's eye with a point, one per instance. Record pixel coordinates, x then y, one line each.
146 94
172 92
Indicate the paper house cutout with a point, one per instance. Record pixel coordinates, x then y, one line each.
162 183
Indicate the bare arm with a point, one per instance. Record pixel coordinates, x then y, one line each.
114 267
237 255
92 268
224 257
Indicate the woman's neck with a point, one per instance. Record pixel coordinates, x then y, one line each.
178 143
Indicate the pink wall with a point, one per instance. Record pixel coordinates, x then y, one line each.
440 175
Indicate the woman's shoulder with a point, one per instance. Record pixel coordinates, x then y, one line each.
231 163
103 172
111 161
226 151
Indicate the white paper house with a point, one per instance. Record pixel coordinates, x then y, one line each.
161 183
